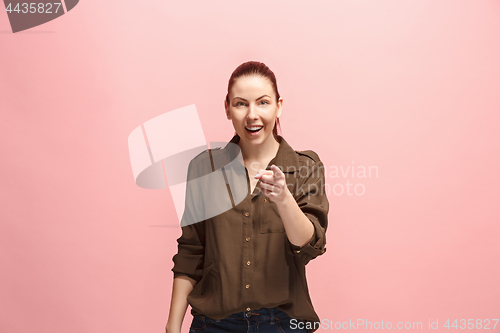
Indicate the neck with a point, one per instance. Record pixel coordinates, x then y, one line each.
259 152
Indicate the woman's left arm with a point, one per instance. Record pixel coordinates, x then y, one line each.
305 218
298 227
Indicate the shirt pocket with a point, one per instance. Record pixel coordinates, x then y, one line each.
270 220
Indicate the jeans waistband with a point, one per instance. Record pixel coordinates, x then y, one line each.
262 313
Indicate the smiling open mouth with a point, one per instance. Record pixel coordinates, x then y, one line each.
254 129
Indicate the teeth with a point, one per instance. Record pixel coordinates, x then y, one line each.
253 128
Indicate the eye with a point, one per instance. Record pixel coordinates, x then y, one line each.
239 103
265 102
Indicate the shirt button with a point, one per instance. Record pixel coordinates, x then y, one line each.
298 251
247 214
265 199
248 309
247 239
247 286
248 264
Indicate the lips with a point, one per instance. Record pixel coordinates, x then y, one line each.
254 129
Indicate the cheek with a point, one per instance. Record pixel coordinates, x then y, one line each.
270 119
235 118
237 121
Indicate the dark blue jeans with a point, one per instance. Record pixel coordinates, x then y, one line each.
264 320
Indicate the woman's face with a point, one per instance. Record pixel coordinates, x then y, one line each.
253 108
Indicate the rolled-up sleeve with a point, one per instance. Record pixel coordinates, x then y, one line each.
189 260
313 202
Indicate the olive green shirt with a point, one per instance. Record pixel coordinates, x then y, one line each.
242 259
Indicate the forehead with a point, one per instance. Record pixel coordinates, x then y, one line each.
252 86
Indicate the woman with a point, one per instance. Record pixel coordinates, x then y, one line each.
244 269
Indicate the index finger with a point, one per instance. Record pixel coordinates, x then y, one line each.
277 172
262 172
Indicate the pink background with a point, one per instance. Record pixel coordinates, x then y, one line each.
410 87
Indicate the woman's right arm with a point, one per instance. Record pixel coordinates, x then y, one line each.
189 260
188 270
182 287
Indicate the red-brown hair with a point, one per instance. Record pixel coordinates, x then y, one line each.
256 68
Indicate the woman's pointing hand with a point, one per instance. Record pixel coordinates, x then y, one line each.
273 184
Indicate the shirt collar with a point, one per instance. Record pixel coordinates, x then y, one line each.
286 158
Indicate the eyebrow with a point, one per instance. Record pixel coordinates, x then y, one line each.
256 99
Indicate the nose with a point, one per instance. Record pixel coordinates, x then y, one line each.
252 113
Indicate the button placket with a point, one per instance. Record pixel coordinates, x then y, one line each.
247 273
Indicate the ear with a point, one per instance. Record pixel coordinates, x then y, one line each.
280 107
226 107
